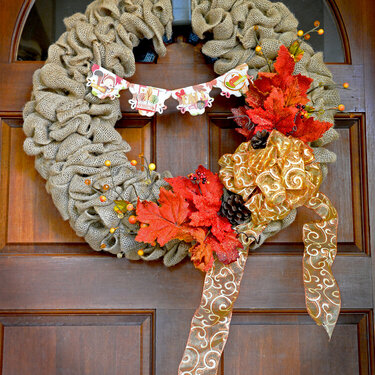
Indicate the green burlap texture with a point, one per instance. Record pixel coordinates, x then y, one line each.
71 132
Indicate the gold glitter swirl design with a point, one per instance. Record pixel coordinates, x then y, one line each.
210 324
322 293
275 180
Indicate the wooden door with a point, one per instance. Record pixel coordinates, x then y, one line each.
65 309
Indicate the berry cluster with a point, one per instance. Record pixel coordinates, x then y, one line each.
199 177
301 110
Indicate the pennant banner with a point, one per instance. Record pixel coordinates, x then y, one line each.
148 100
106 84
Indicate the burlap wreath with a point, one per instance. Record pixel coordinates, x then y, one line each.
71 132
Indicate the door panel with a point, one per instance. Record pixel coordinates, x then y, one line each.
76 311
85 342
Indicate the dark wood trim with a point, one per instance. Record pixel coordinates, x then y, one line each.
18 28
362 177
68 312
1 347
343 33
4 181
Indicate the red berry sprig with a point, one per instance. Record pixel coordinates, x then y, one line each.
198 178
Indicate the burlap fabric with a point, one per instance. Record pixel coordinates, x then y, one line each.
71 132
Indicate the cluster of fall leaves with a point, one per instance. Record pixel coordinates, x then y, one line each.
190 212
275 101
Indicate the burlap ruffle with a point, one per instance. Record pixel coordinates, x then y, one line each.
71 132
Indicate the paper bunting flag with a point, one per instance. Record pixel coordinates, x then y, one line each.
234 82
106 84
148 100
193 99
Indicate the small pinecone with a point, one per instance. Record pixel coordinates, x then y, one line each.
234 210
259 140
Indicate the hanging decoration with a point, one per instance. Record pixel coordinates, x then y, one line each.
286 116
149 100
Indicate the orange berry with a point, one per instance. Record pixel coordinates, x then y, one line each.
307 36
316 23
134 163
130 207
258 49
107 163
102 246
321 31
153 243
345 85
103 198
144 225
341 107
132 219
256 27
88 182
300 33
105 187
140 252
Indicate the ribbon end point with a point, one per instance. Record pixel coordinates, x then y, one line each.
329 329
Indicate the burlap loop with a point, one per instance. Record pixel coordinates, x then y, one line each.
71 132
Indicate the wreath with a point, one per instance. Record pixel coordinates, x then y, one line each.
286 118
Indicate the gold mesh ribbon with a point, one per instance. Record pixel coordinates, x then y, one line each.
272 181
322 295
210 324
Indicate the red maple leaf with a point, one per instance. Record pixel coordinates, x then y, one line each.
276 100
226 250
204 198
274 114
308 130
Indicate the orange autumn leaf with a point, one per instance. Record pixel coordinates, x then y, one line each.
166 221
202 256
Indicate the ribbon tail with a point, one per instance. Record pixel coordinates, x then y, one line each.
210 324
322 295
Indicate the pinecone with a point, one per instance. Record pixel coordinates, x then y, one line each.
233 209
259 140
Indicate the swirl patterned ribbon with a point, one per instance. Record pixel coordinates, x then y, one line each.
272 182
210 324
322 293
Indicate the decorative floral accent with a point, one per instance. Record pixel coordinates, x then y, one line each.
295 51
274 180
190 213
278 101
